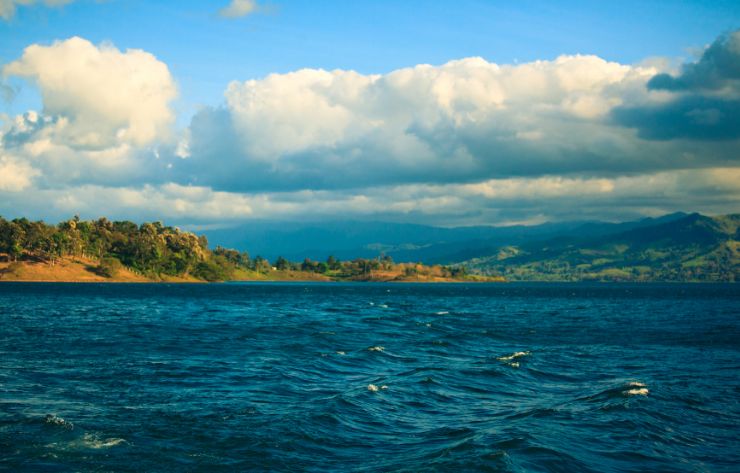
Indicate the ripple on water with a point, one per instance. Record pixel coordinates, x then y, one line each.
292 377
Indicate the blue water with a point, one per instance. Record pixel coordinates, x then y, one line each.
257 377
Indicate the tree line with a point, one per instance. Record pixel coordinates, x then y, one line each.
155 250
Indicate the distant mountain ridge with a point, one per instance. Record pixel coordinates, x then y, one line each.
689 248
677 246
403 242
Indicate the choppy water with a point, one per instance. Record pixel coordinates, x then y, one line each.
369 377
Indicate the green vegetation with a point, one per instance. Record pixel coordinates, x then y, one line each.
109 267
158 252
689 248
151 249
693 248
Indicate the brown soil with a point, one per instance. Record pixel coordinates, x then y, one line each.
64 270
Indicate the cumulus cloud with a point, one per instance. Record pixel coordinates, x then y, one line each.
35 139
15 175
467 142
239 8
718 68
703 101
98 95
8 7
467 119
105 116
463 121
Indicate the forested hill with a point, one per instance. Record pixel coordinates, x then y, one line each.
150 249
153 251
690 248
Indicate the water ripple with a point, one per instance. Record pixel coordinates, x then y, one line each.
369 377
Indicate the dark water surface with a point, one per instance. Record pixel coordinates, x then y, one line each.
256 377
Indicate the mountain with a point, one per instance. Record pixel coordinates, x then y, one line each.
677 246
403 242
680 248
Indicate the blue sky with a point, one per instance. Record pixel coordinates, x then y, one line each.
216 140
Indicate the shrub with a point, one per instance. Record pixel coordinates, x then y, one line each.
109 267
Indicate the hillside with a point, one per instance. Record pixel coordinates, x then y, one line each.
64 270
402 242
690 248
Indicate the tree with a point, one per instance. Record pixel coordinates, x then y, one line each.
308 265
333 263
261 265
282 264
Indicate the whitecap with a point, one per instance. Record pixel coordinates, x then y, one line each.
376 348
383 306
341 353
374 388
513 356
92 441
56 420
87 441
636 388
442 312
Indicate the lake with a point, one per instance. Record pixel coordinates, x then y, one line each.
369 377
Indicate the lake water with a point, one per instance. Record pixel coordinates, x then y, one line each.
369 377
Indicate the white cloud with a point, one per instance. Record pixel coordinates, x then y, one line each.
467 142
8 7
497 201
99 96
465 120
15 175
39 140
168 201
239 8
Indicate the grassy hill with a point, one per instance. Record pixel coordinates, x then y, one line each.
690 248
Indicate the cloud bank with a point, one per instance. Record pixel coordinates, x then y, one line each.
466 142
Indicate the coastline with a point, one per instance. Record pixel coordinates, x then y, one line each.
81 270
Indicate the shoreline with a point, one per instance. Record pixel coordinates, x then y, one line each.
81 271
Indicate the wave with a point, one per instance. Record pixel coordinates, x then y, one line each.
53 419
514 356
94 442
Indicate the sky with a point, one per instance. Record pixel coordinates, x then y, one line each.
434 112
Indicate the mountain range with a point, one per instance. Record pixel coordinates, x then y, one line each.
677 246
